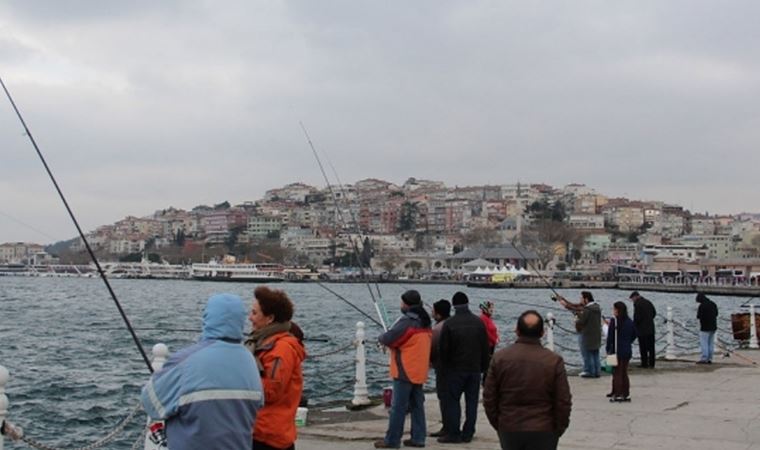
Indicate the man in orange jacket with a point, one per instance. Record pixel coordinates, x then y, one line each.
409 340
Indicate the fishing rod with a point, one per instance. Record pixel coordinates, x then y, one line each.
380 313
527 261
79 229
353 218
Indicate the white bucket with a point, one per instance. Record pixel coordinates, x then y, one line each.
301 415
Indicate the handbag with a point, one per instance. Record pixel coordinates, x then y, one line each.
612 360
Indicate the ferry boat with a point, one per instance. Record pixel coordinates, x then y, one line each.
146 270
253 273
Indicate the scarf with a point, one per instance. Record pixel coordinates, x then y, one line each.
257 337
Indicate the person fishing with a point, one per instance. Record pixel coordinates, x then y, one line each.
588 324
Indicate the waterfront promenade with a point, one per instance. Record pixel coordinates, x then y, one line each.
679 405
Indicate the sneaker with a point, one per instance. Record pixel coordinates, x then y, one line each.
411 443
381 444
702 362
584 374
610 395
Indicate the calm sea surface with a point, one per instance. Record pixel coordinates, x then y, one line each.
75 370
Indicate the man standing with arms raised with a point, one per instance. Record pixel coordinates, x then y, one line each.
464 357
643 319
526 396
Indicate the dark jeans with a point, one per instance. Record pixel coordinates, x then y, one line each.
528 440
458 383
646 348
258 445
621 385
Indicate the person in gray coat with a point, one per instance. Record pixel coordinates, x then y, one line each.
588 324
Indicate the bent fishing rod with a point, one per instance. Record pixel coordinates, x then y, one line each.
79 229
380 313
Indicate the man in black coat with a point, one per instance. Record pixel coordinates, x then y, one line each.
464 356
707 313
643 319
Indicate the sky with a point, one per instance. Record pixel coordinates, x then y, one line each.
143 105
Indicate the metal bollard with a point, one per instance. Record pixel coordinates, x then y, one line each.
361 394
160 354
752 328
4 377
670 351
550 331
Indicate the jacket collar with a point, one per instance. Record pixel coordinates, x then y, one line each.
528 340
462 309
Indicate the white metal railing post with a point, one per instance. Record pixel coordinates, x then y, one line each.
670 351
160 354
361 394
550 331
752 328
4 377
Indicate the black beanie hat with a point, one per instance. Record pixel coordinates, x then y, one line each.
411 297
459 298
443 308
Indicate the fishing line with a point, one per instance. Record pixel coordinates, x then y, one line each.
380 313
36 230
79 229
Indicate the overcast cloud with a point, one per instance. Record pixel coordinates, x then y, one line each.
143 105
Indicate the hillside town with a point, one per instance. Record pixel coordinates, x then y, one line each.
424 229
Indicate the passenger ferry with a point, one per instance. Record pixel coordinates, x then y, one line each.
254 273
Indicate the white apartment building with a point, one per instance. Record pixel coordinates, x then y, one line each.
593 222
124 246
19 252
717 247
260 225
684 252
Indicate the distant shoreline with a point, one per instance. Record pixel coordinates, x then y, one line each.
728 290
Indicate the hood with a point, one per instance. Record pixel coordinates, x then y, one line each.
418 313
224 317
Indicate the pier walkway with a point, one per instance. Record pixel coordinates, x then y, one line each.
679 405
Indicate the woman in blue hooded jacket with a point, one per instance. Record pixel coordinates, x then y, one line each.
209 393
620 336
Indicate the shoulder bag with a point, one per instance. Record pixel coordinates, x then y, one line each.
612 360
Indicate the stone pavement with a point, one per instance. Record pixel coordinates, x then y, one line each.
679 405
